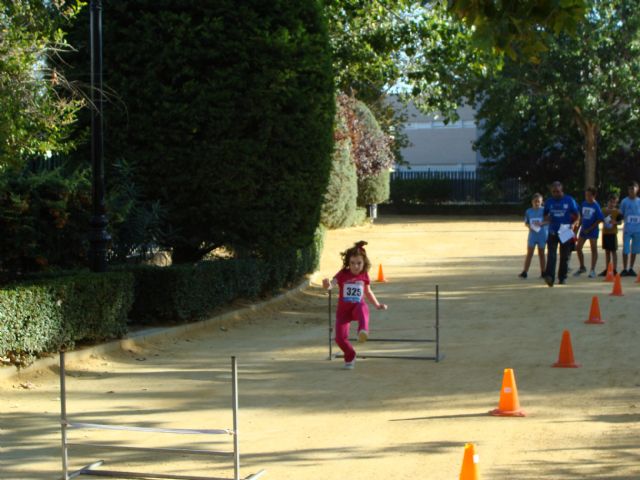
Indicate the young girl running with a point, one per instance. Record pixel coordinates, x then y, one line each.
354 284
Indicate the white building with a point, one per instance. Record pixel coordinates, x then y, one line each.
435 146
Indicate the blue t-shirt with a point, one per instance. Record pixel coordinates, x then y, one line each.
630 210
536 216
561 211
591 213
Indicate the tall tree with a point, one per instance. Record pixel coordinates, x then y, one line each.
586 82
34 119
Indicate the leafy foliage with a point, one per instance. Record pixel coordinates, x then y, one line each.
519 28
54 313
34 119
43 219
580 100
226 108
190 292
427 191
339 207
135 225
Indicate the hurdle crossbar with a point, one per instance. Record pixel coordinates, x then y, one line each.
92 468
437 357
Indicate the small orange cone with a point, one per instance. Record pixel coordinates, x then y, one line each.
509 405
381 274
565 359
617 287
470 463
610 276
638 278
595 317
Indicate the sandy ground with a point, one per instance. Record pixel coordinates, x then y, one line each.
303 417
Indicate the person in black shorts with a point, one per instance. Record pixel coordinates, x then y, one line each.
612 218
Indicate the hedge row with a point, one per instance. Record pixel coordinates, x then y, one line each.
188 292
54 313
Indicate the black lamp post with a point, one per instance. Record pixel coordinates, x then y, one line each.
99 237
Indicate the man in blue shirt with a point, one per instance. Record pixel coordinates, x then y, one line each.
561 213
630 209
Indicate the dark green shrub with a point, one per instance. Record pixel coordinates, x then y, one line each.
374 189
227 108
420 190
191 292
339 207
53 313
44 220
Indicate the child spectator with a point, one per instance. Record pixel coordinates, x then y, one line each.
591 215
630 209
612 218
538 232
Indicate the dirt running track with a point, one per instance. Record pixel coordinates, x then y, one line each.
303 417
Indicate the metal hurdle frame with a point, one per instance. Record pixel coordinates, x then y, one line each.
90 469
435 340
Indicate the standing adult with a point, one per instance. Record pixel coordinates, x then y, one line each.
561 213
630 210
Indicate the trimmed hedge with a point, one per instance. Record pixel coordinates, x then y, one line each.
339 207
374 189
54 313
427 191
227 109
191 292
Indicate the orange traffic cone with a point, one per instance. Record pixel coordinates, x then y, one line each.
638 278
617 287
610 276
565 359
381 274
470 463
509 405
594 314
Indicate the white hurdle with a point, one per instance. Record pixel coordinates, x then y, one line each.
437 357
92 468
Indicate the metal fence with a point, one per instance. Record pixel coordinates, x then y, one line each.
470 187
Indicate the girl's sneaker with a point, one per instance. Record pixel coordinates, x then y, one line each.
350 365
592 274
363 336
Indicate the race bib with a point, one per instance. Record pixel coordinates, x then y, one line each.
632 219
353 292
588 212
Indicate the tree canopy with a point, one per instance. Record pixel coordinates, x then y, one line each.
581 99
35 119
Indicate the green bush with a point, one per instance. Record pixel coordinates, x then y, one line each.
420 191
339 207
227 108
190 292
374 189
44 219
50 314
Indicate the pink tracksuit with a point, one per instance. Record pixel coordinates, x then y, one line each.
351 306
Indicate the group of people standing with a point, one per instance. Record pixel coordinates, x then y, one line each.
561 224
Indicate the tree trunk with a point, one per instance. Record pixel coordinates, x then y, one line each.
590 132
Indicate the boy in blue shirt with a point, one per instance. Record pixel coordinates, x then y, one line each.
561 213
630 210
592 216
538 232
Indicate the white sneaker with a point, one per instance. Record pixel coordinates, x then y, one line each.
350 365
592 274
363 336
